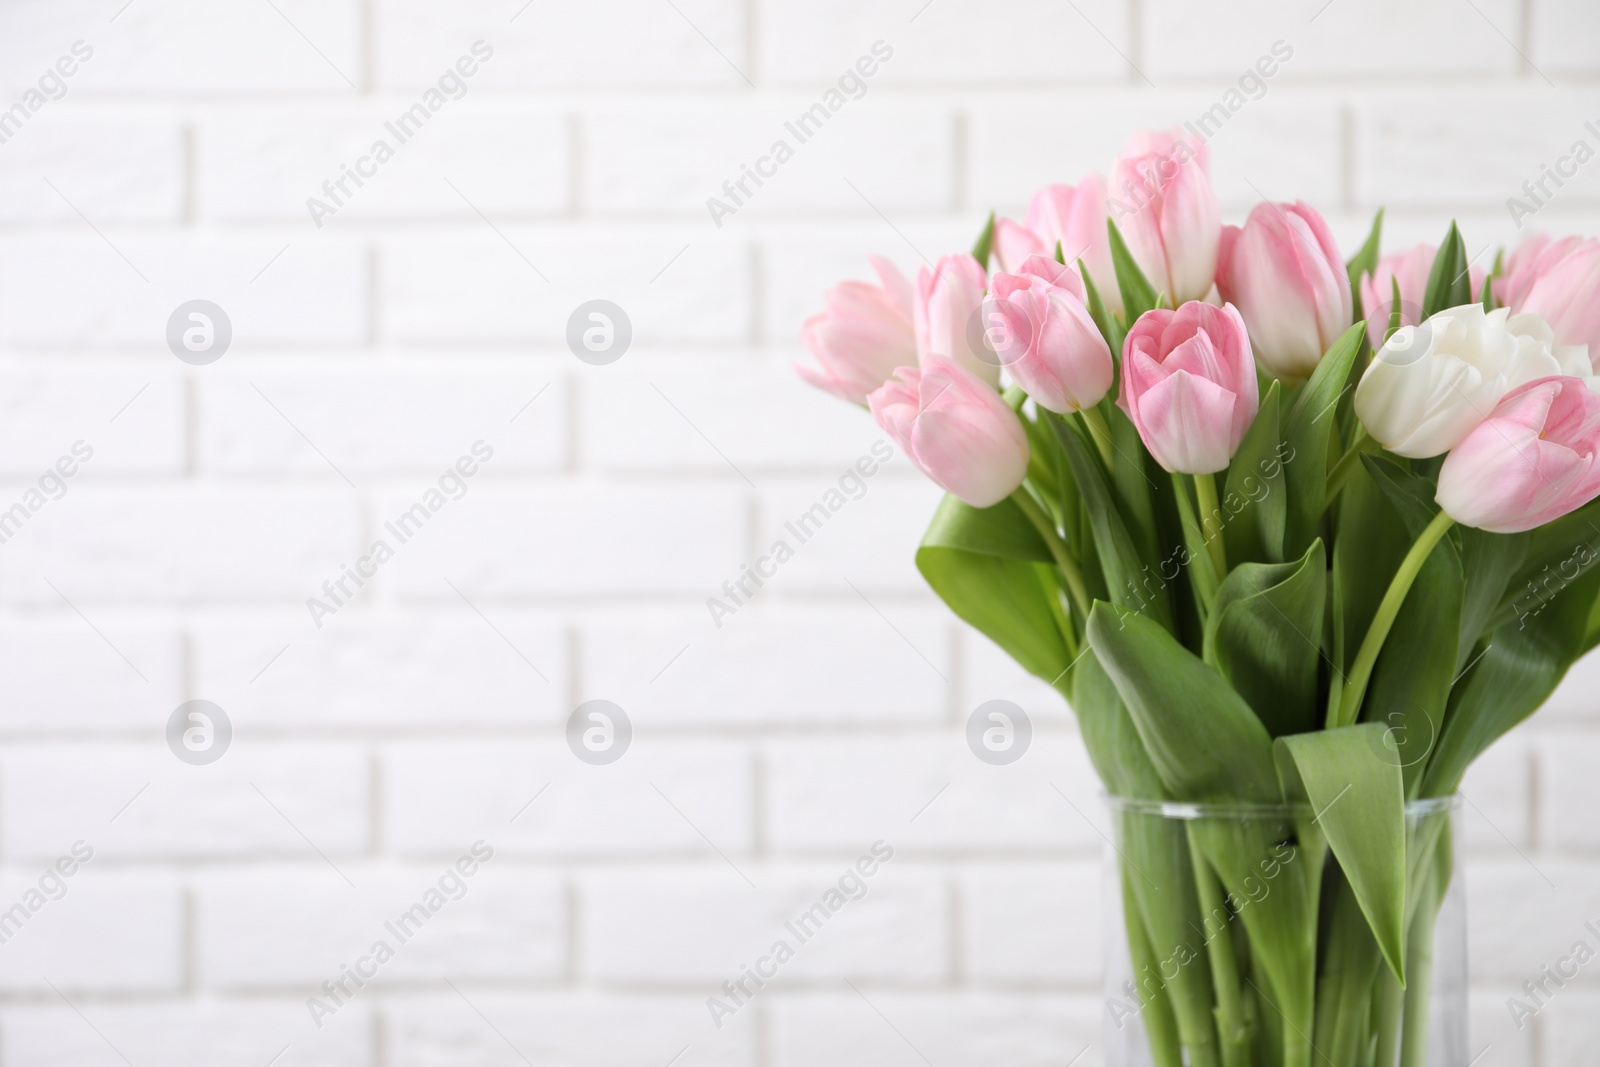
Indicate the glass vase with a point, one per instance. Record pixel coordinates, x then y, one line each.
1234 939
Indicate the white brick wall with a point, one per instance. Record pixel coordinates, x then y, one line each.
429 313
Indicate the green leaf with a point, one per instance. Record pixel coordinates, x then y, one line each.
1411 682
1396 310
1488 562
1360 801
1105 321
983 562
1265 637
1306 433
1129 582
1559 552
1365 262
980 247
1450 281
1525 660
1254 530
1205 742
1138 295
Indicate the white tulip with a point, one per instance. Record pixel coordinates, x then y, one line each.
1431 385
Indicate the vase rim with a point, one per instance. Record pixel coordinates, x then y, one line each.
1184 810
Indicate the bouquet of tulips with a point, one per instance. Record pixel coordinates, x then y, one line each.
1288 533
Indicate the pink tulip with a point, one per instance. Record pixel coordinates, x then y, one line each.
1047 340
947 320
1531 461
1161 199
862 335
1189 385
1411 269
1284 273
955 428
1560 282
1074 218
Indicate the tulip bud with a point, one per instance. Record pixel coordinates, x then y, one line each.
1430 385
955 428
1533 460
1048 341
1560 282
1189 385
863 333
1411 269
1284 273
948 298
1161 199
1074 218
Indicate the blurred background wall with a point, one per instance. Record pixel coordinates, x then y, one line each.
165 152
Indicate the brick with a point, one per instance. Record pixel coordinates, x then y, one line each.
609 43
860 1029
1560 30
538 799
449 669
132 420
766 667
130 170
1216 38
62 676
1568 789
128 545
480 287
503 544
303 46
1491 1023
963 41
932 794
1024 923
1525 913
283 928
1572 1024
1410 155
75 292
679 415
900 157
224 1034
517 1029
872 538
109 933
258 800
266 163
675 925
409 418
987 673
1271 146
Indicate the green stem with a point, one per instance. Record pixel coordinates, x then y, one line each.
1347 464
1202 575
1205 490
1355 687
1389 1002
1232 1028
1100 432
1058 549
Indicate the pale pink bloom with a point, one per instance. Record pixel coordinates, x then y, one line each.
1160 196
1411 269
1531 461
947 318
1283 271
1073 217
1560 282
1189 385
863 333
955 428
1045 337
